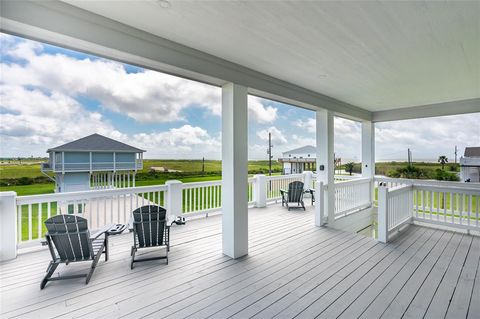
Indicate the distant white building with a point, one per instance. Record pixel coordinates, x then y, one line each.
298 160
470 165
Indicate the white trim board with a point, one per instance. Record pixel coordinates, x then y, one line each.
430 110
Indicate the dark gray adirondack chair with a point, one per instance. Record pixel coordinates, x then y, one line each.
293 195
150 229
69 240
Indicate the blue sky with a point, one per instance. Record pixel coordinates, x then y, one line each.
50 96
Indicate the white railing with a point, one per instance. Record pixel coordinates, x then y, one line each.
94 166
99 207
352 196
395 209
202 197
449 204
276 183
114 205
456 207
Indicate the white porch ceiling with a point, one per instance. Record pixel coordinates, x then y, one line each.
375 55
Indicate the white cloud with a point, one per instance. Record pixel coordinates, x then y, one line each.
260 112
427 138
308 125
146 96
179 142
32 120
277 135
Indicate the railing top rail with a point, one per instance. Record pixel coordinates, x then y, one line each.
32 199
274 177
202 184
427 182
399 189
361 180
448 189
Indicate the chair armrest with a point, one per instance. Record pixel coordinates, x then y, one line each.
282 191
101 231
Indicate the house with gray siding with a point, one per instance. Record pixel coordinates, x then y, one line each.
93 162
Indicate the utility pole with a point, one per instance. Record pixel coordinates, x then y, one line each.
409 157
203 166
456 150
269 153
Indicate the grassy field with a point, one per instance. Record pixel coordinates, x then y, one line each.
32 169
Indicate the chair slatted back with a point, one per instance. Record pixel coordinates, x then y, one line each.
295 192
70 236
149 225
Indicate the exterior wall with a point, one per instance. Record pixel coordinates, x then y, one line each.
77 157
296 168
298 155
287 168
472 173
100 157
124 160
470 169
73 182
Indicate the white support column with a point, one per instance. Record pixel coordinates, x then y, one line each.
307 179
174 199
368 154
325 165
382 213
260 190
319 204
234 170
8 225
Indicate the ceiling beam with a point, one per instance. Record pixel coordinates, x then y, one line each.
67 26
429 110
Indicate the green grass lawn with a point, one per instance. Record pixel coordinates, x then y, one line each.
32 169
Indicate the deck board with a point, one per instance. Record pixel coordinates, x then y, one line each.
293 269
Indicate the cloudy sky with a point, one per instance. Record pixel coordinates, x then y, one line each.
50 96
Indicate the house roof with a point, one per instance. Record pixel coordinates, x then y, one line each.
472 152
309 149
95 143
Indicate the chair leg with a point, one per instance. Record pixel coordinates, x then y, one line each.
50 271
106 247
133 257
92 268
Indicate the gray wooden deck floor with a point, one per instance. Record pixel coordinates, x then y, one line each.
294 269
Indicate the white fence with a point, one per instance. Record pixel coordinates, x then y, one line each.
114 205
100 207
352 196
443 203
278 182
395 209
448 204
